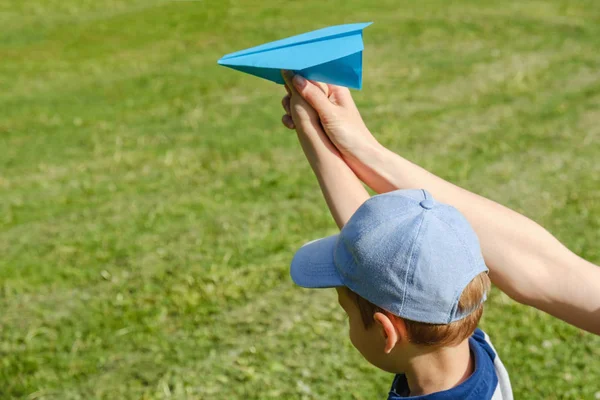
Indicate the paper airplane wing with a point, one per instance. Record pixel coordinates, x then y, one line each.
332 55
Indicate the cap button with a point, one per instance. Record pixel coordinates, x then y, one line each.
427 204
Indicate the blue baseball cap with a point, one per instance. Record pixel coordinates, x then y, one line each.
402 251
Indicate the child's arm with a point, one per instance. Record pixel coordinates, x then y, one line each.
342 190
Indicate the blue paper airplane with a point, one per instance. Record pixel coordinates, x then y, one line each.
332 55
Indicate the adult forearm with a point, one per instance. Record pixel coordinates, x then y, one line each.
525 260
343 191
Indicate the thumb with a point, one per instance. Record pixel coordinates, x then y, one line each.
313 95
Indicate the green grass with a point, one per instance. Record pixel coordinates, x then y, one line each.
150 200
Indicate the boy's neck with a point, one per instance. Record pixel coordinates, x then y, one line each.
439 370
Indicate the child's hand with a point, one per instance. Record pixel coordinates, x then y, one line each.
298 113
302 117
333 107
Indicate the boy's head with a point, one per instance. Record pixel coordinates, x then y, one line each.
408 271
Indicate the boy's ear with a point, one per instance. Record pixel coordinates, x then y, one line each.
392 329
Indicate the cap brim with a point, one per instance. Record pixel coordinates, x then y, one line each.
313 266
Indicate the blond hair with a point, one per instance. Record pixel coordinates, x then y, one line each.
438 334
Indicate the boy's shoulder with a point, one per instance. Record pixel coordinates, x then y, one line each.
489 381
503 388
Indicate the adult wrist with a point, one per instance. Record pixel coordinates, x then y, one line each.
368 152
374 165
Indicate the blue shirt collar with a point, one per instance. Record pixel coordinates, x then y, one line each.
480 385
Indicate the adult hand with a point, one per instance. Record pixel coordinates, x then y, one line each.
298 113
339 116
